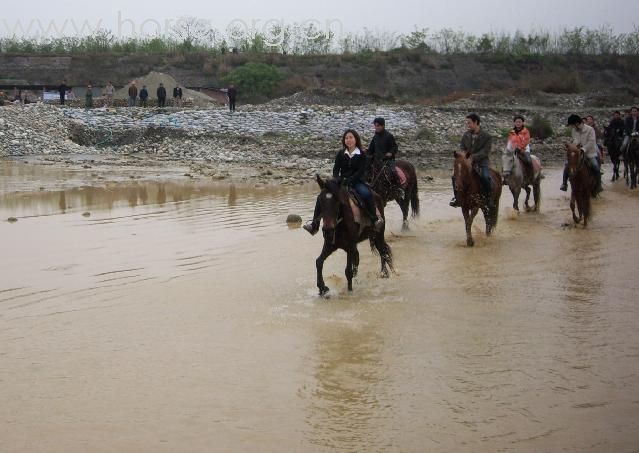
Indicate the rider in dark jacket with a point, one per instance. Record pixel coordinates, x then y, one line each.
350 167
382 149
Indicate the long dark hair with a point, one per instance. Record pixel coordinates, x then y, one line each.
358 140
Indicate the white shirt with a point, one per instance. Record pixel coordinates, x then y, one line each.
587 139
355 152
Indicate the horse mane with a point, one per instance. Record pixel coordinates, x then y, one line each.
333 186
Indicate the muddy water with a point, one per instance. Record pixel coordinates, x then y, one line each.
183 316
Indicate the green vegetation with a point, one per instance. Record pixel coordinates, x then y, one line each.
255 80
425 134
540 128
191 35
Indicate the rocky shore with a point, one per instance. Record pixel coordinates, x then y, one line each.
284 140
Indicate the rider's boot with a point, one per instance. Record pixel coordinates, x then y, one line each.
312 227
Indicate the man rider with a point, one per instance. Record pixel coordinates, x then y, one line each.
584 137
631 125
477 144
616 125
382 150
518 145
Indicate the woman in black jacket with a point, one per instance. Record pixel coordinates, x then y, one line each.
350 167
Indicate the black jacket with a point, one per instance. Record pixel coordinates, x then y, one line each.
351 169
161 92
628 129
144 93
478 146
381 144
617 126
232 93
63 90
177 92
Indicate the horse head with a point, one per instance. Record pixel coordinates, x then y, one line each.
461 169
332 196
574 157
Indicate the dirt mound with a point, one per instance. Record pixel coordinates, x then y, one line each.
152 81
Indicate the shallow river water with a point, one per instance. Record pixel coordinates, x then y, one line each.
183 316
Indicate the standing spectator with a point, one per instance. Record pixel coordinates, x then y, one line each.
177 96
109 91
232 95
161 92
88 97
3 98
144 95
63 88
133 94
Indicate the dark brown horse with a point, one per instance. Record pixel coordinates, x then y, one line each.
633 159
470 197
383 183
582 183
612 142
341 230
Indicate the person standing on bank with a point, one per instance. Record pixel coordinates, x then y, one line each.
477 144
161 93
144 95
232 95
177 96
88 97
109 91
63 88
133 94
350 166
382 150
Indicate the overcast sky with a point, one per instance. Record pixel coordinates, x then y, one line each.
402 16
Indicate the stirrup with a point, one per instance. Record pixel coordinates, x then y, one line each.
378 223
564 187
454 203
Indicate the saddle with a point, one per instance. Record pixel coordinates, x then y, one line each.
357 206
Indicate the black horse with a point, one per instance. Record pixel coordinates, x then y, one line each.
343 230
384 184
612 142
633 159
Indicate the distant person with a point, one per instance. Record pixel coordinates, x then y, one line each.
144 95
161 93
616 124
518 145
88 97
63 88
177 96
590 121
3 98
109 91
133 94
231 93
381 151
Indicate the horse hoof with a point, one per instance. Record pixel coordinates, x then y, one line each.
323 291
385 274
470 243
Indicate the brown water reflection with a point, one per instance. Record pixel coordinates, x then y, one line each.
183 315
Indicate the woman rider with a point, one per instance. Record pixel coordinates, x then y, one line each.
350 166
518 144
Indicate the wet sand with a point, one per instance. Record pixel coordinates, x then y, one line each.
183 316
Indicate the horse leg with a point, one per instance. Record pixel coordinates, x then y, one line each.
385 255
527 188
349 269
355 262
515 191
319 264
573 200
469 215
404 206
537 194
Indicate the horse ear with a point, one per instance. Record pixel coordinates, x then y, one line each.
320 181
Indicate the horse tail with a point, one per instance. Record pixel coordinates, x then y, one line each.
414 199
